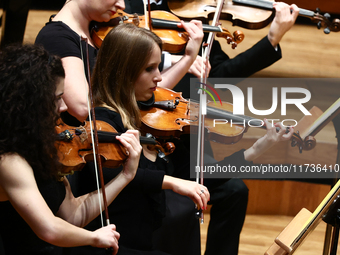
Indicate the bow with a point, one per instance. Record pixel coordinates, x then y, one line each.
95 142
206 49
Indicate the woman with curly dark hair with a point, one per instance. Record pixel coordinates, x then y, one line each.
35 208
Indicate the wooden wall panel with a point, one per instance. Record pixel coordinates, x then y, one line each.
330 6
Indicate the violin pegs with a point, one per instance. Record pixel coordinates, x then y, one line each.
327 15
148 135
327 30
78 131
233 45
293 143
318 25
161 155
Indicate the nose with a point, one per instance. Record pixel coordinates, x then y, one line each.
62 106
158 76
120 4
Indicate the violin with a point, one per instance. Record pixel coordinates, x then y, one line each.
164 24
74 146
251 14
172 116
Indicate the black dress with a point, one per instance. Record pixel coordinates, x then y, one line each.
17 236
138 209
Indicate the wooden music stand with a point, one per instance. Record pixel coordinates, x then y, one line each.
332 232
305 221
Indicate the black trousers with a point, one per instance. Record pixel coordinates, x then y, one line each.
229 204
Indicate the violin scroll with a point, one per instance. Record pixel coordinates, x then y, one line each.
163 149
232 39
303 144
325 22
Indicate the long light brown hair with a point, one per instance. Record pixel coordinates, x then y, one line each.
122 57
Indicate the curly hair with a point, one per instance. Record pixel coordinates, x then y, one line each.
28 111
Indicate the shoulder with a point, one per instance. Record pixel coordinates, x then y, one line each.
59 39
55 29
111 117
11 160
14 171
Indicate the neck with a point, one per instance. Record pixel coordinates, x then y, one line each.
74 15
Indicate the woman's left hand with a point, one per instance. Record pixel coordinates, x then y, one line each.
130 140
268 140
195 31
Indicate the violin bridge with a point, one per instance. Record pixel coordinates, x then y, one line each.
135 19
83 135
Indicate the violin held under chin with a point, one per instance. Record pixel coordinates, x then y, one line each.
164 25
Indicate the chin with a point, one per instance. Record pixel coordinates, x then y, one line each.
105 17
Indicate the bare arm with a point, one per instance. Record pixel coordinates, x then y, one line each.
267 141
284 19
19 186
196 67
76 87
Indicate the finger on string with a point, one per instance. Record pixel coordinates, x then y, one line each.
130 138
282 130
198 23
130 149
136 133
267 124
188 27
289 134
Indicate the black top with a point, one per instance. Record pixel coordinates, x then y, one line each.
17 236
59 39
139 208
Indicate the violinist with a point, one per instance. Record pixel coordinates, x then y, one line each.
125 75
263 54
38 212
229 200
62 36
126 71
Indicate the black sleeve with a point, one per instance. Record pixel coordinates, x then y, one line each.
59 40
258 57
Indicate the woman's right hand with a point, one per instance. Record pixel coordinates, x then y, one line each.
197 192
107 237
130 140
